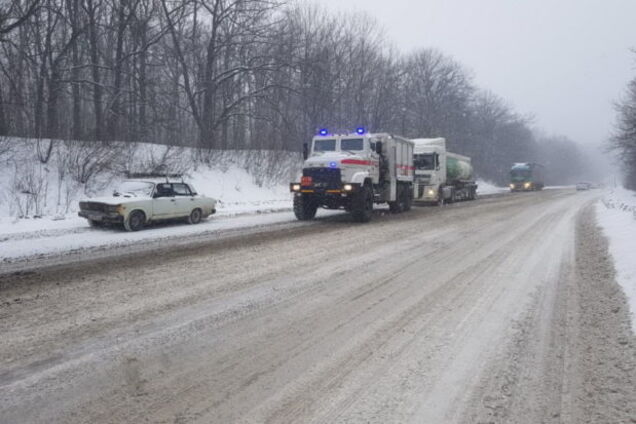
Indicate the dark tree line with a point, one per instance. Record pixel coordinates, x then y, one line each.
237 74
623 141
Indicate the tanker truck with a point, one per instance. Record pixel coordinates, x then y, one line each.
441 176
353 172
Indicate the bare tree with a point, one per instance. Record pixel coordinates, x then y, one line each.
623 142
15 13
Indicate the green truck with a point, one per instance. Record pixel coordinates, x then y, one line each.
527 176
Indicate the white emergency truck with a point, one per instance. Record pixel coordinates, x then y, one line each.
353 171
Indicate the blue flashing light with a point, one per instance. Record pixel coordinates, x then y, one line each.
323 131
360 130
333 164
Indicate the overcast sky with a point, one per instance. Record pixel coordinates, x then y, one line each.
564 61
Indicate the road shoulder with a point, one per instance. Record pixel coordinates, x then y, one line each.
607 346
572 358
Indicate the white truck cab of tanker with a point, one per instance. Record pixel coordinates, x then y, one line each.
441 176
353 171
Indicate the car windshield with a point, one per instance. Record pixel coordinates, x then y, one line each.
424 161
352 144
325 145
135 188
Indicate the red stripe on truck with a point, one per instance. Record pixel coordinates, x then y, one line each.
358 162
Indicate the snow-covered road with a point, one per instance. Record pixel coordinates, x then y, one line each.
38 242
501 310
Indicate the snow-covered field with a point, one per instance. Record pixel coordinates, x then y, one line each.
617 216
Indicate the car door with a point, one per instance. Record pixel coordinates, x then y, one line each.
164 202
184 199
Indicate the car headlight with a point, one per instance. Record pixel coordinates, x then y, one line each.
115 209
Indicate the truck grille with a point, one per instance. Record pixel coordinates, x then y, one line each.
423 179
93 206
324 178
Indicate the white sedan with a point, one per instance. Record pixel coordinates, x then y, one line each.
137 203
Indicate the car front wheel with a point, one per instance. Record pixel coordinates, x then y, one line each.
135 221
195 216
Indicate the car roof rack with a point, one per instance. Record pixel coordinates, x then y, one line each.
154 175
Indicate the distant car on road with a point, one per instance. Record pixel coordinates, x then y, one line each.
583 186
138 202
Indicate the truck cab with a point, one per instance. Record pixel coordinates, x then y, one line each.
430 169
441 176
353 158
353 171
526 176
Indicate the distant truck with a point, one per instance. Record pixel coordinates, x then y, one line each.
527 176
353 172
441 176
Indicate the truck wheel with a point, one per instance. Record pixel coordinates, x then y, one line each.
135 221
453 196
398 205
440 197
362 208
408 199
195 216
304 208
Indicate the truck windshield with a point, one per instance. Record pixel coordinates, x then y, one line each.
352 144
520 174
325 145
136 188
424 161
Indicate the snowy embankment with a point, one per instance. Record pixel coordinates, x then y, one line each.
39 199
485 187
617 217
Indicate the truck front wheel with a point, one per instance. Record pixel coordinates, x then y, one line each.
304 207
440 197
362 205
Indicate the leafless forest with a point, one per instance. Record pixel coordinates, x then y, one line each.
624 140
244 74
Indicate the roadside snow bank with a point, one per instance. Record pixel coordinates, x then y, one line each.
616 214
42 181
485 187
47 178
